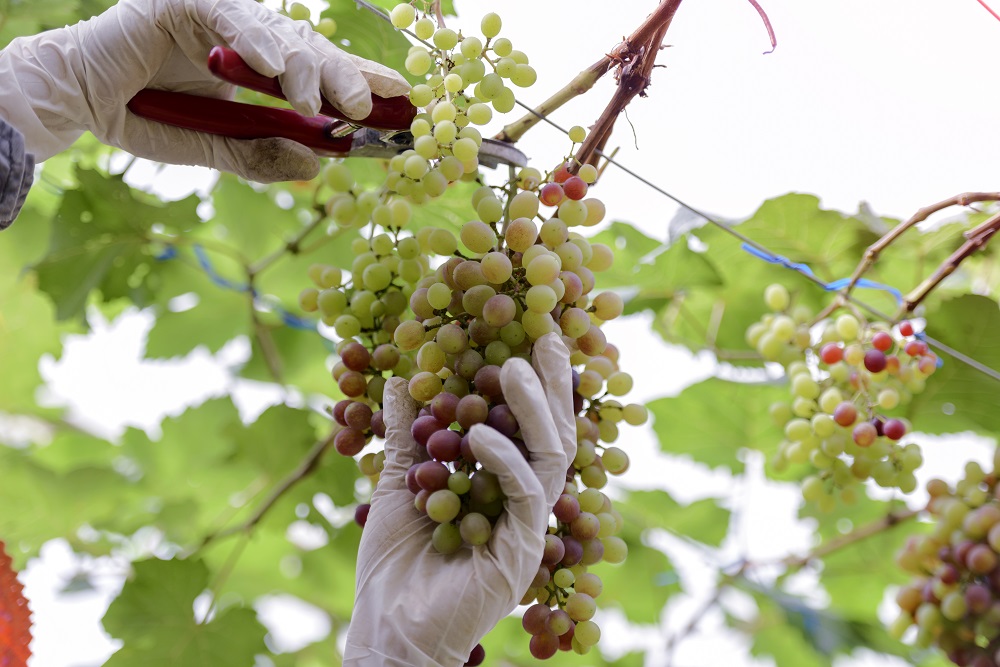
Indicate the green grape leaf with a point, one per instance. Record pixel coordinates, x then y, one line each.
631 248
711 421
220 316
856 575
41 505
154 617
821 633
29 18
299 354
958 397
702 520
248 221
99 241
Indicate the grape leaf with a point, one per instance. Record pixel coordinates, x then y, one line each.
822 632
702 520
99 242
15 617
958 397
300 354
712 420
154 616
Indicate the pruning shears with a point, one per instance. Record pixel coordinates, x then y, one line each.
382 134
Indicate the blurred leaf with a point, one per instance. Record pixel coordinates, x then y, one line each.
99 241
154 616
958 397
713 420
702 520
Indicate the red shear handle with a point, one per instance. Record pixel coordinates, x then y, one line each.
236 120
388 113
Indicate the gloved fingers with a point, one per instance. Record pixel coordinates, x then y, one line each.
261 160
516 544
341 81
527 400
401 450
245 26
383 81
550 359
301 82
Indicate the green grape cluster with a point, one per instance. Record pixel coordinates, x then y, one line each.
953 598
845 386
445 311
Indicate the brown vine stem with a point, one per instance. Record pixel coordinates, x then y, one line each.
305 468
636 57
622 55
976 240
874 250
887 522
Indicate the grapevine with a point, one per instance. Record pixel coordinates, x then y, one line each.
446 312
847 378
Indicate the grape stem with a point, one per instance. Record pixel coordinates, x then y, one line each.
890 520
635 58
976 239
306 467
874 250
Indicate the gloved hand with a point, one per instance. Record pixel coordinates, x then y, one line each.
57 84
416 607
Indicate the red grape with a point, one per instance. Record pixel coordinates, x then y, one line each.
476 657
906 328
875 361
550 194
349 441
361 514
845 414
831 353
894 429
575 188
882 341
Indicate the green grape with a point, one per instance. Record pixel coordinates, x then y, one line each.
475 528
478 236
490 25
445 38
402 15
446 538
298 12
418 62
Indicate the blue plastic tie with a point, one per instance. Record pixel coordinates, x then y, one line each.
834 286
167 253
213 275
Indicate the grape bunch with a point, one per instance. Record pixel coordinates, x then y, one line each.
446 310
954 599
845 384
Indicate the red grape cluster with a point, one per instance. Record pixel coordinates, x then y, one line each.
445 311
954 599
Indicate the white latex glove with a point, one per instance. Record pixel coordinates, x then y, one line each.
416 607
57 84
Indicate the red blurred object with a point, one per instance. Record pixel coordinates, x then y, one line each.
15 617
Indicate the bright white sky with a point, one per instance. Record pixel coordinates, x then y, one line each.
888 102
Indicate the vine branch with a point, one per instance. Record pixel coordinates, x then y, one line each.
890 520
305 468
976 239
636 57
874 250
